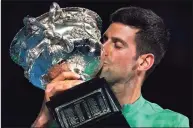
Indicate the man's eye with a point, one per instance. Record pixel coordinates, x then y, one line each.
118 45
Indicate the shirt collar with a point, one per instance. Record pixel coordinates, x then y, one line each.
130 108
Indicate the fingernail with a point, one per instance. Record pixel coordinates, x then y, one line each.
63 61
77 75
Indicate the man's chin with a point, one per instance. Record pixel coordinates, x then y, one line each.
106 76
103 72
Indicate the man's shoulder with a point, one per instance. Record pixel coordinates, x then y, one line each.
179 119
161 114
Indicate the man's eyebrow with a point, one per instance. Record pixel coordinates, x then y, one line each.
120 40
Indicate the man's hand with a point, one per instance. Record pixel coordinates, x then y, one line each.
62 79
62 82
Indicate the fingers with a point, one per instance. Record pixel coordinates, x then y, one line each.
66 76
59 86
57 69
61 81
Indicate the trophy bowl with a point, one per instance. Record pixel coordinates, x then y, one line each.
70 34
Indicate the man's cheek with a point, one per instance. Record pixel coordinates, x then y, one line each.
125 64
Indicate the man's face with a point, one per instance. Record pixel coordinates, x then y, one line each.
119 54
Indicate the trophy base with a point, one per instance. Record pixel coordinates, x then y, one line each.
91 104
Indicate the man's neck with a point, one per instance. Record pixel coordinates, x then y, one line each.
129 92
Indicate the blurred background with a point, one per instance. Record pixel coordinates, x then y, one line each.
170 85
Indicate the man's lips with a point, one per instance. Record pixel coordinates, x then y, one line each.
105 63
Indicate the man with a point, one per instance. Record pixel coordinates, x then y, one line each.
133 45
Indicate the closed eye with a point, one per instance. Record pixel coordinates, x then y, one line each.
118 43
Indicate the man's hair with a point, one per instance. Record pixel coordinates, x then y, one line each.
152 37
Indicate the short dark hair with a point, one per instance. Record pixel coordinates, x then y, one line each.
152 37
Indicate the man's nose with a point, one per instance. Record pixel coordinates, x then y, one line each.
106 48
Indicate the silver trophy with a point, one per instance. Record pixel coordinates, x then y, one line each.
70 34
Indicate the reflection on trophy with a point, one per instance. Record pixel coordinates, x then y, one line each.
71 35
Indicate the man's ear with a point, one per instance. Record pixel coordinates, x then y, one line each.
145 61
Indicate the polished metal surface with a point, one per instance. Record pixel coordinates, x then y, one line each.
71 34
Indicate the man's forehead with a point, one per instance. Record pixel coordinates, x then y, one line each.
121 30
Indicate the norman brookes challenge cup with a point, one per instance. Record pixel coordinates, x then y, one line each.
70 34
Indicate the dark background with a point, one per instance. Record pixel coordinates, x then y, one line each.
170 85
